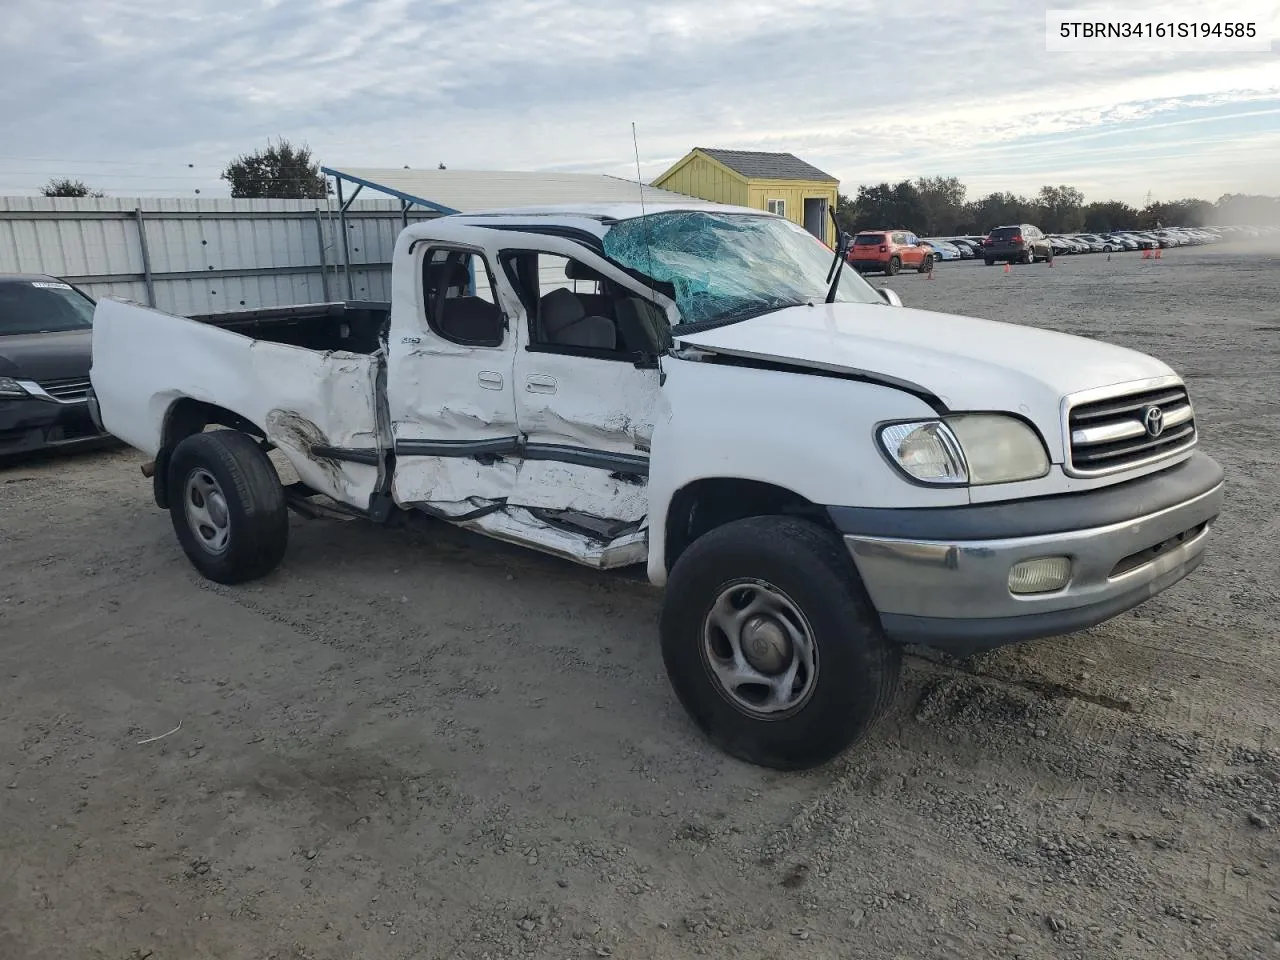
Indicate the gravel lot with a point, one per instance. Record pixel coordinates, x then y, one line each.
409 743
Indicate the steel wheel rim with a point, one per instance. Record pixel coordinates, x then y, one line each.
759 650
206 510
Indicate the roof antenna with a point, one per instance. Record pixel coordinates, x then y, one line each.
644 217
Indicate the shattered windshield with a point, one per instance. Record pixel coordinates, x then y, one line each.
727 267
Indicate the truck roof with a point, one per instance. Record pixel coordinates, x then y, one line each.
591 217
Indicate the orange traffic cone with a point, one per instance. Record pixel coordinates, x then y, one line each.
1006 267
1158 252
1146 253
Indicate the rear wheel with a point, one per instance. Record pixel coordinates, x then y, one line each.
227 506
988 261
1029 255
772 645
893 266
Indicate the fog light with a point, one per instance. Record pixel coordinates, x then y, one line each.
1041 575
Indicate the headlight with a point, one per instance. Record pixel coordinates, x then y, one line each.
972 448
10 387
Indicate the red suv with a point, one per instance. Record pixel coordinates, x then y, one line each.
888 251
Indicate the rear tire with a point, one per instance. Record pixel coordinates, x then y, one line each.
784 586
892 267
1029 256
227 506
988 261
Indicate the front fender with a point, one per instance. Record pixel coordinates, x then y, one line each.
810 433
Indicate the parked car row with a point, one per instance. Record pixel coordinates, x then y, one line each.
1026 243
889 251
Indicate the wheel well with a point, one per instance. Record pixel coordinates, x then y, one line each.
183 419
706 504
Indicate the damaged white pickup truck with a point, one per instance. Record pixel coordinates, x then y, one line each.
814 473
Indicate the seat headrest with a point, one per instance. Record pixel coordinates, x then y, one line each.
559 308
449 274
574 270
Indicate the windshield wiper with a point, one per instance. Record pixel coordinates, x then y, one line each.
837 264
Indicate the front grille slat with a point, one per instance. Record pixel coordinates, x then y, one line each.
68 390
1110 435
1108 409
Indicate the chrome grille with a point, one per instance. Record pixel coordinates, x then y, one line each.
1112 434
68 391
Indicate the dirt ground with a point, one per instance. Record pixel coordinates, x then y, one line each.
411 743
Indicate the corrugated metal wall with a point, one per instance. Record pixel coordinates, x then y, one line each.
204 256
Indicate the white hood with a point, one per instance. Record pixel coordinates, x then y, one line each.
968 363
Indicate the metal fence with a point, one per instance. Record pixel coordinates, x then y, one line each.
193 257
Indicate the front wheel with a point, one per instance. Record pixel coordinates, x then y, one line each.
227 506
772 645
926 264
988 261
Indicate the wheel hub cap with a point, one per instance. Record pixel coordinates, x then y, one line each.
759 649
765 645
206 511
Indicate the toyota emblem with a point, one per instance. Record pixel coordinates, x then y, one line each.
1153 420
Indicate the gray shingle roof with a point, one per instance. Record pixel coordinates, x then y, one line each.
767 166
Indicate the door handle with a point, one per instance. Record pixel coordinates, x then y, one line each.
538 383
490 380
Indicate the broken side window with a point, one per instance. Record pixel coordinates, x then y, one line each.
575 309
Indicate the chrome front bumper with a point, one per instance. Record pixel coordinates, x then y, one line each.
954 593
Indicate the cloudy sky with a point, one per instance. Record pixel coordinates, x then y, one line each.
153 97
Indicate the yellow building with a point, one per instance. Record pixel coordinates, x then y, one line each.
777 182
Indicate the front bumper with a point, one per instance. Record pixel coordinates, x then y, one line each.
940 577
29 424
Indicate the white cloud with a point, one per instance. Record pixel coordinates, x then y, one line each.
866 91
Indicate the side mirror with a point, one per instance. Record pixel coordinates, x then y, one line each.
889 297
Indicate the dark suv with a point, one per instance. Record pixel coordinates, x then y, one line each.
1021 243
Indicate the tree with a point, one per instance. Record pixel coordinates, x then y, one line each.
887 206
846 213
998 209
1061 209
942 201
66 187
279 172
1190 213
1108 216
1245 209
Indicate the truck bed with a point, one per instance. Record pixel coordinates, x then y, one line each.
306 376
357 326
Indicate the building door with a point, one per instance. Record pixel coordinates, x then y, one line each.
815 217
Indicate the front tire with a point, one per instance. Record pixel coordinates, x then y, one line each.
772 645
227 506
926 264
